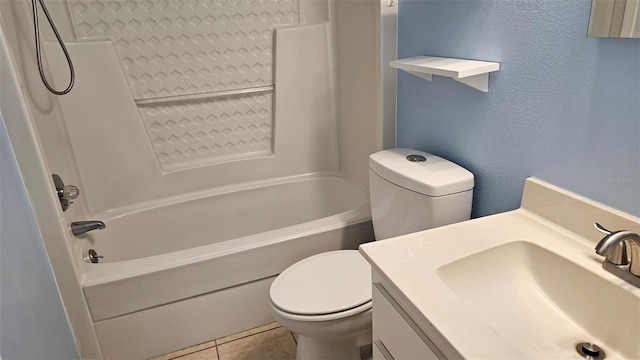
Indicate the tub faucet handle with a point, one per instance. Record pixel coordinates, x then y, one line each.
65 192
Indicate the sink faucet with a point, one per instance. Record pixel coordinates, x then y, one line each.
620 248
81 227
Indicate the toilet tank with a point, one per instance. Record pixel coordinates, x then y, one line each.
409 194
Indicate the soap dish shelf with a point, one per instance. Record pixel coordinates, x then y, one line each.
473 73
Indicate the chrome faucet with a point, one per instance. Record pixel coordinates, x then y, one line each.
81 227
622 253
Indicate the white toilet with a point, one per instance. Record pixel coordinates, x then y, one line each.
326 298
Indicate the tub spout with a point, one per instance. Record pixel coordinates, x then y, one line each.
81 227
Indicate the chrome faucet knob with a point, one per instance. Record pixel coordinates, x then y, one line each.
65 192
69 192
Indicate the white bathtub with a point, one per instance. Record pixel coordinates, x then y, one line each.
186 273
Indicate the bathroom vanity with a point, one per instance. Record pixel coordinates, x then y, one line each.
395 334
521 284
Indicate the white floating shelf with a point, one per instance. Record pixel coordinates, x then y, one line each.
470 72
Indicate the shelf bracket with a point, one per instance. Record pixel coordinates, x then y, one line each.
478 82
420 75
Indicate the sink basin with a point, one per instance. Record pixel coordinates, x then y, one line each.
544 303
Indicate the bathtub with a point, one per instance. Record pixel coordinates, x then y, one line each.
192 271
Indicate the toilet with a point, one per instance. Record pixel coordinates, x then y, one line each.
326 298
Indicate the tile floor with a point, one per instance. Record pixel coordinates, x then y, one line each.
267 342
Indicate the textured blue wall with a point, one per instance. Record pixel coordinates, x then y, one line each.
33 324
564 108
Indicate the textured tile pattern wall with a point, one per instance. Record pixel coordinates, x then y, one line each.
190 47
177 47
190 133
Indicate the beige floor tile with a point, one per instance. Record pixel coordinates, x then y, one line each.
186 351
246 333
206 354
276 344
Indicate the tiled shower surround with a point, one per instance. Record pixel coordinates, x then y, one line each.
195 49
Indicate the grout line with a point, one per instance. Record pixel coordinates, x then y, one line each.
294 338
217 344
193 352
246 336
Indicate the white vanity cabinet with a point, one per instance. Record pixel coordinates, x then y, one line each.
395 335
489 288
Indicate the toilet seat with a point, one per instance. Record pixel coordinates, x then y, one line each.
326 317
322 287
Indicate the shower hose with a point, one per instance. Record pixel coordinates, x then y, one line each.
36 29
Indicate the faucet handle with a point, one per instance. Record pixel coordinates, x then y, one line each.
602 229
64 192
69 192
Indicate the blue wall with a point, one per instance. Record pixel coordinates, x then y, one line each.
33 324
563 107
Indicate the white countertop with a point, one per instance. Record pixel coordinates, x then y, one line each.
412 266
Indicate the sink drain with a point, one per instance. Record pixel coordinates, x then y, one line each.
590 351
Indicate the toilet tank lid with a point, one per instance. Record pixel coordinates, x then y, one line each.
434 177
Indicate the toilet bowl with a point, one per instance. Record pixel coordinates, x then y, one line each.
326 298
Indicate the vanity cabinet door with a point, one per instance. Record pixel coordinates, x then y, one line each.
393 335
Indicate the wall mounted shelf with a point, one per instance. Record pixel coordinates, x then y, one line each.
470 72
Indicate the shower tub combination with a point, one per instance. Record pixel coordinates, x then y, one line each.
208 137
193 271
